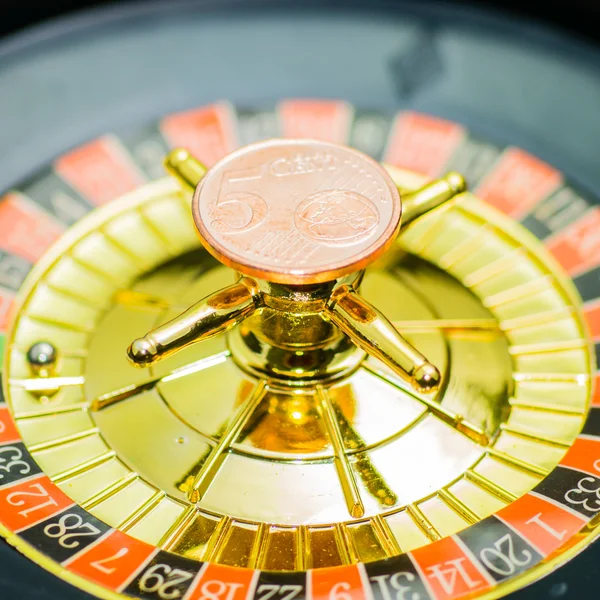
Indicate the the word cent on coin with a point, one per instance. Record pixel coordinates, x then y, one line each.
303 164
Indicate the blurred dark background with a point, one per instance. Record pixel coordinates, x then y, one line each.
580 17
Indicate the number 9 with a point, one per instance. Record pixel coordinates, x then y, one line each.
340 591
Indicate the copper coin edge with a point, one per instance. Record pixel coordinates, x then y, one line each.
331 271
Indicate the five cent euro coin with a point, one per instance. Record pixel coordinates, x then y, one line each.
297 211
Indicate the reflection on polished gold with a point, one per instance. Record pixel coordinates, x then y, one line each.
418 203
298 422
289 423
450 325
340 460
310 454
211 316
372 332
460 423
182 165
214 461
303 308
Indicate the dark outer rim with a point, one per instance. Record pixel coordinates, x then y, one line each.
79 22
444 11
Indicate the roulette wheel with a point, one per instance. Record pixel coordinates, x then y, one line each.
299 301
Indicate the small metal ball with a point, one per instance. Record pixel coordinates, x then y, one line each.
42 357
427 378
457 181
142 352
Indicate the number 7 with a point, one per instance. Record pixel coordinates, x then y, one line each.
99 564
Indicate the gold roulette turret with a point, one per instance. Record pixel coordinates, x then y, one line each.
349 363
299 220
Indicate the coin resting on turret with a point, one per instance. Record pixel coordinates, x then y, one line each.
302 320
307 430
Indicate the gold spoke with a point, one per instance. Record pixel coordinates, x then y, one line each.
450 326
116 396
350 543
84 466
465 248
517 462
177 529
559 410
74 296
62 324
51 410
370 476
216 539
427 325
458 506
491 487
518 292
495 268
215 459
579 378
165 241
302 548
47 384
385 536
94 269
533 436
123 250
547 347
458 422
198 365
344 544
106 400
342 464
424 524
259 547
109 491
143 511
142 300
74 437
541 318
187 479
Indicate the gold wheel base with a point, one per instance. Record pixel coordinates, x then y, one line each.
357 468
291 368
